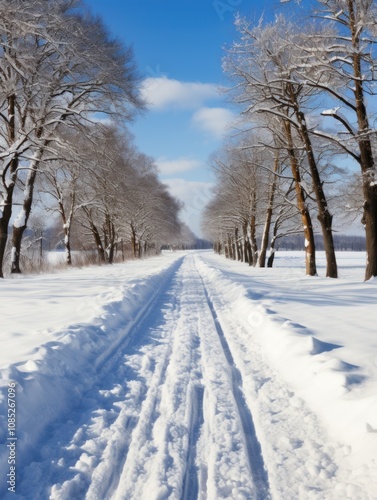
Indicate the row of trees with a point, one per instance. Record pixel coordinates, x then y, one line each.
62 78
306 95
111 191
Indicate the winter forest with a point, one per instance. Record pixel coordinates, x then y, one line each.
306 141
68 95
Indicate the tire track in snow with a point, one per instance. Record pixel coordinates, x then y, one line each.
191 482
190 448
153 350
161 450
105 478
223 469
255 456
128 336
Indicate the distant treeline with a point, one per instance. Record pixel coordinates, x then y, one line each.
197 244
342 242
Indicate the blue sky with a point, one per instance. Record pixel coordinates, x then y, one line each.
178 47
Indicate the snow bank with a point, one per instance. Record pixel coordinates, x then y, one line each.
52 376
328 358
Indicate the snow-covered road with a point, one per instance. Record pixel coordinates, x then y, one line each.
180 403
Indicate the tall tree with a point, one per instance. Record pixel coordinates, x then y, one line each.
342 64
66 68
345 70
260 65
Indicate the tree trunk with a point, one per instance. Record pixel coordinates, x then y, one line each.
67 244
370 223
20 224
7 194
226 250
253 229
98 242
133 241
111 252
267 225
6 214
237 245
230 248
246 244
366 152
19 227
311 269
324 216
249 252
100 250
139 249
271 257
67 225
111 237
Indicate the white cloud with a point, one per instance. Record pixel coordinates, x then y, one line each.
215 121
169 167
195 195
162 92
101 118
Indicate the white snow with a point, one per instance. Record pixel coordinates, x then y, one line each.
20 220
190 376
330 112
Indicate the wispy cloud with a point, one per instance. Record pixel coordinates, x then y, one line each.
176 166
162 92
215 121
195 196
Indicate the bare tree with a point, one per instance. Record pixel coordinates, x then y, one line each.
272 186
345 70
123 200
254 63
151 212
62 69
341 64
63 180
250 183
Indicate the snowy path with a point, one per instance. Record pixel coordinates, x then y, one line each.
168 420
184 405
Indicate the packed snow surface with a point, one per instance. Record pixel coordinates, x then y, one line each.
188 376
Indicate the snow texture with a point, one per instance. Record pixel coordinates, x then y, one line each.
20 220
188 376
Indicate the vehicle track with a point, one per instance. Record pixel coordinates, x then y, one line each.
190 488
161 451
255 457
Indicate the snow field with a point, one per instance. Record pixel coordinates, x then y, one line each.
193 377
